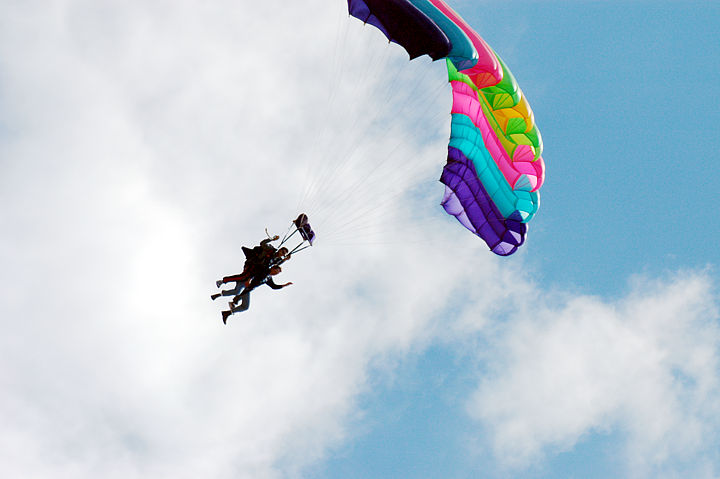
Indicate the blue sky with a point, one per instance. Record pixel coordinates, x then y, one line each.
616 78
620 91
140 146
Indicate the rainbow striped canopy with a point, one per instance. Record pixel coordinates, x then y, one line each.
494 166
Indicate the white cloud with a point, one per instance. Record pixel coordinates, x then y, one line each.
144 142
645 367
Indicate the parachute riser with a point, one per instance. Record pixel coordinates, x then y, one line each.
286 238
296 250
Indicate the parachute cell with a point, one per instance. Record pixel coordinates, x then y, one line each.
494 166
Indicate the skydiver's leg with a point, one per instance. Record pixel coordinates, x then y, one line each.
234 278
245 297
227 279
239 286
229 292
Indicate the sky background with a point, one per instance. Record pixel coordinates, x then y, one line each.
143 142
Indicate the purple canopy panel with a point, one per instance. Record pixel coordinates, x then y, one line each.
403 23
467 200
452 205
360 10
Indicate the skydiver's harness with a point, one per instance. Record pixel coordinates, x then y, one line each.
301 226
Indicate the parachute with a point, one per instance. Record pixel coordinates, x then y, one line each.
494 166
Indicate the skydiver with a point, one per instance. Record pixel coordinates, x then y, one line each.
244 289
253 257
255 266
265 249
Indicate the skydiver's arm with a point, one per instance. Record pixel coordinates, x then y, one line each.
269 240
278 260
272 284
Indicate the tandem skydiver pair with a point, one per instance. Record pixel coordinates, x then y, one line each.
262 263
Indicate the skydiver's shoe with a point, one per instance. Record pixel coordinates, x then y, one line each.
225 316
215 296
219 283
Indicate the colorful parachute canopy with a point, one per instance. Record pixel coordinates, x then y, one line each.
494 167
